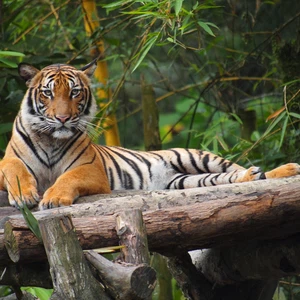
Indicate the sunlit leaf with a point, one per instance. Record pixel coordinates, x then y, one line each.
11 53
275 114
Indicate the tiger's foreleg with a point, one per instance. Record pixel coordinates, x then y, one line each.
18 181
83 180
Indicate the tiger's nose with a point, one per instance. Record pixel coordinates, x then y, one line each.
62 118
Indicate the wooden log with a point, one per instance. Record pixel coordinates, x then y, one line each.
132 233
124 282
71 276
204 224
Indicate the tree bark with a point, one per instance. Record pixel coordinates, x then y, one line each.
71 276
150 118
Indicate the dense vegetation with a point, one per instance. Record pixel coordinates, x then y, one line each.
225 73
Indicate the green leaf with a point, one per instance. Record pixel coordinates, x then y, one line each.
283 131
11 53
31 221
145 50
40 293
274 123
295 115
178 5
7 63
205 27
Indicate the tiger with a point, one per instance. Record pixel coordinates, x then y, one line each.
51 160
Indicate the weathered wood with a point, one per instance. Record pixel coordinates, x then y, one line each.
204 224
132 233
124 282
22 245
71 276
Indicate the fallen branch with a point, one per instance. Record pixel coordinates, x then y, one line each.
124 281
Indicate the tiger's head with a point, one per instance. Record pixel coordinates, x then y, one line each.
59 101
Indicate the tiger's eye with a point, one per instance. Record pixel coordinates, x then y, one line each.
75 92
47 93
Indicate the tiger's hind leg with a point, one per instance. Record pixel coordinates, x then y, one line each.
286 170
183 181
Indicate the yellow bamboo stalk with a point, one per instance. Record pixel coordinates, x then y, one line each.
91 23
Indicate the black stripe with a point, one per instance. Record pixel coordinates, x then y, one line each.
128 181
117 167
170 183
28 141
215 178
62 152
205 162
141 157
88 102
181 182
28 167
111 179
31 111
175 168
130 162
179 161
194 162
203 179
76 158
230 181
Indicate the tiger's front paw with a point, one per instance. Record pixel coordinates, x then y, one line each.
28 196
287 170
53 198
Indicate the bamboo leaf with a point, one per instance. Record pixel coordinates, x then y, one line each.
273 124
178 5
205 27
145 50
11 53
295 115
283 131
31 221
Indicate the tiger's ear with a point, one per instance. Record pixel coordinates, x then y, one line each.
27 72
90 68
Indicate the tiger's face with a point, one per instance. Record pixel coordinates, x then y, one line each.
58 101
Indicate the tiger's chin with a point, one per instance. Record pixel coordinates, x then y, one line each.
62 133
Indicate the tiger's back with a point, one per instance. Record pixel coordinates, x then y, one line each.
52 157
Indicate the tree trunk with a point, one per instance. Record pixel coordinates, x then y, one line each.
91 23
71 276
